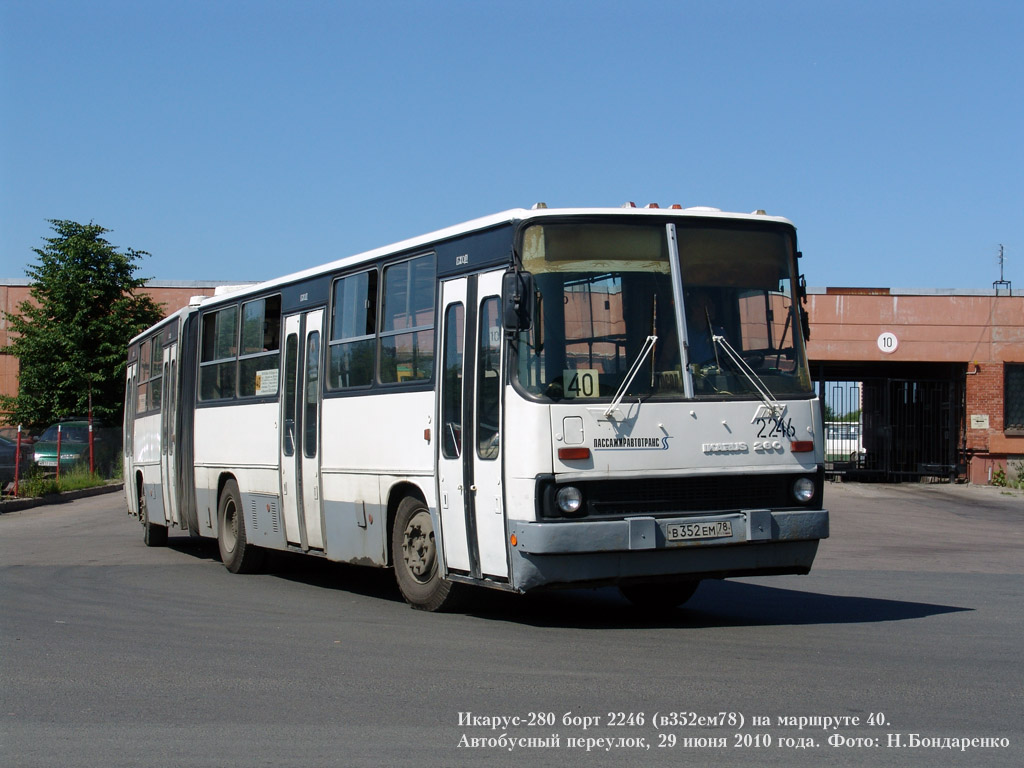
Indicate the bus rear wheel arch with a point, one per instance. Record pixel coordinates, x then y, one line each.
415 557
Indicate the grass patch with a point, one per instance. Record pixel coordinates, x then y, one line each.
74 479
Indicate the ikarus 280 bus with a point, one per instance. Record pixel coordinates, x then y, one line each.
539 398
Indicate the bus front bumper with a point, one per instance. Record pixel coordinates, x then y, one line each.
744 543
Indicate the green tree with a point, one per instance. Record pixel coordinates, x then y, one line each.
70 337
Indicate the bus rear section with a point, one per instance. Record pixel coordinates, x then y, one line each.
156 462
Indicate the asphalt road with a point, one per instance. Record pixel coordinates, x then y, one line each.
908 631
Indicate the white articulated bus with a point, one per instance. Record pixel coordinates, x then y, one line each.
539 398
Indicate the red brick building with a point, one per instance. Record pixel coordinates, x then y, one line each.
953 361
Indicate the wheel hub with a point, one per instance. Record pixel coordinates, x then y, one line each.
418 546
230 527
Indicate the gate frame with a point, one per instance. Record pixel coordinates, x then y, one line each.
947 460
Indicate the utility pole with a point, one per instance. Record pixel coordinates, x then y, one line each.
1001 282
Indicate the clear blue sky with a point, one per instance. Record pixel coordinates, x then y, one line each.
245 140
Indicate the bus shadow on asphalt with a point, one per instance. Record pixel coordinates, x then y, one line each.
201 549
377 583
717 603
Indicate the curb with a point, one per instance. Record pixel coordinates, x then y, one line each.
16 505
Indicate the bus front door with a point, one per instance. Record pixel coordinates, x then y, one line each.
300 430
469 418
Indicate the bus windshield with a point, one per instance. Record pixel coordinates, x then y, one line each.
604 289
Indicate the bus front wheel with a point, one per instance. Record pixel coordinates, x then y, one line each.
415 557
238 555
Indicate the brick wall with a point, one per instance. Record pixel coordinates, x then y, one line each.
984 404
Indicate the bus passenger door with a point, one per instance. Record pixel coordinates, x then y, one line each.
451 488
469 456
300 430
128 445
168 435
487 460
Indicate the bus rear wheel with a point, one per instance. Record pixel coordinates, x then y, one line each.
238 555
152 535
659 595
415 557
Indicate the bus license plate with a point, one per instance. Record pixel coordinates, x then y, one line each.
688 531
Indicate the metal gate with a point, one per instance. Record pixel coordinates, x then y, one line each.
894 429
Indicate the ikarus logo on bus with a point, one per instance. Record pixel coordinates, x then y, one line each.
772 432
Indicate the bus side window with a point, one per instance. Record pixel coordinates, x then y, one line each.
142 379
291 358
218 350
488 379
451 404
351 348
310 422
407 321
258 355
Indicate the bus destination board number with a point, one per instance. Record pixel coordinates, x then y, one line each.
582 382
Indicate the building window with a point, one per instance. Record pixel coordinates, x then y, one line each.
1013 398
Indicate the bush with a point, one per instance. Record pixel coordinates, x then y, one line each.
1001 479
1018 470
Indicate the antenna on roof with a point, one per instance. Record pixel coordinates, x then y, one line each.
1001 281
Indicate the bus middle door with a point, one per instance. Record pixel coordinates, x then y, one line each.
469 454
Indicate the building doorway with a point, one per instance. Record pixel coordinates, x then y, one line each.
893 423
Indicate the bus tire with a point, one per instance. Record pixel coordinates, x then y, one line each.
152 535
415 558
659 595
237 554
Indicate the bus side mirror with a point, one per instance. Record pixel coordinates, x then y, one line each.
517 301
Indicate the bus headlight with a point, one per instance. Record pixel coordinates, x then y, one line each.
569 499
803 489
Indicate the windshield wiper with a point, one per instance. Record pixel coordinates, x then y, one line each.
775 408
634 369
